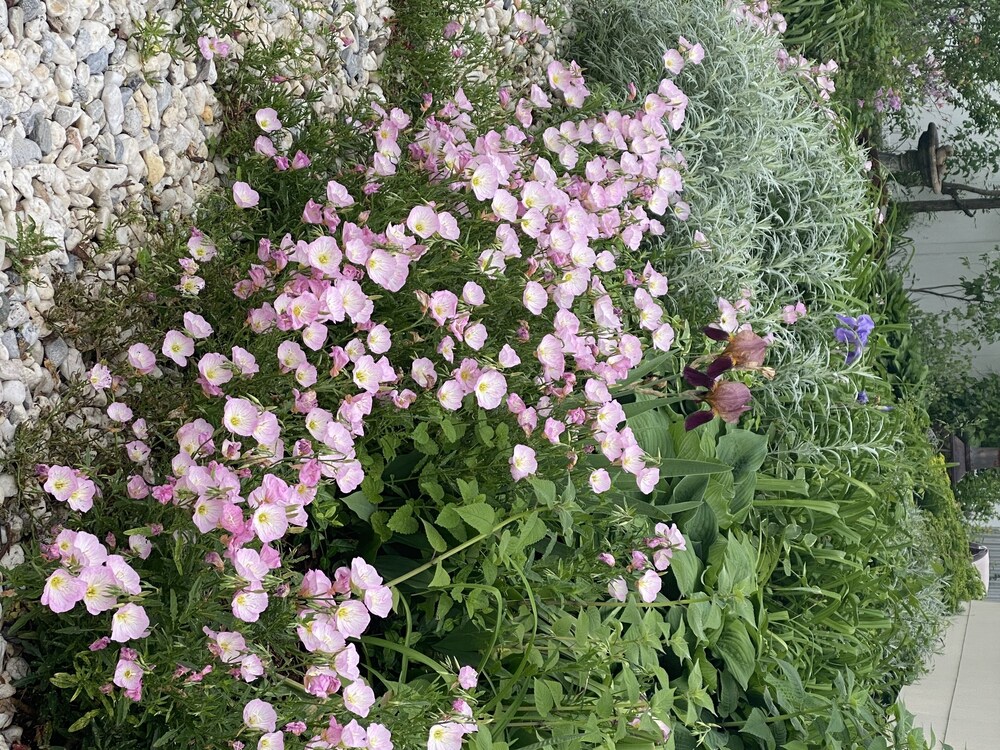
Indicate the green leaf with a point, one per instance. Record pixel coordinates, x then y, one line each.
745 451
688 492
84 720
434 490
479 516
687 570
449 517
544 700
468 490
636 408
360 504
166 738
441 577
533 530
484 740
703 525
682 467
756 725
437 542
402 521
737 651
545 491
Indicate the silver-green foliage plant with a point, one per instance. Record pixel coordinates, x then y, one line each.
776 189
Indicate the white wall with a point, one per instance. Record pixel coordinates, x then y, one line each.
941 240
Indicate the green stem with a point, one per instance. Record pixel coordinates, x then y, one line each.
455 550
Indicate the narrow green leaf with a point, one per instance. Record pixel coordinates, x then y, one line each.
437 542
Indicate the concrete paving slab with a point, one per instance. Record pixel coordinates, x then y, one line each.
960 699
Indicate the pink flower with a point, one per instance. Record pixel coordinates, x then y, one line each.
358 698
379 737
119 412
247 605
522 462
647 479
490 389
422 221
129 622
272 741
141 358
260 715
475 336
484 181
270 522
447 736
673 61
379 601
618 589
472 294
177 347
600 481
264 146
663 337
268 120
364 576
422 371
128 675
450 395
337 195
448 226
99 377
535 297
649 586
467 678
240 416
443 305
352 618
508 357
607 558
196 326
62 591
101 583
379 339
245 196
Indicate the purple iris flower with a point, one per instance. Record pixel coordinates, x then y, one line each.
854 334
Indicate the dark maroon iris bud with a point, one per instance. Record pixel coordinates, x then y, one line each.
698 419
697 378
716 334
719 366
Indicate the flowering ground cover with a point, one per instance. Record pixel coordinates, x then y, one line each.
507 411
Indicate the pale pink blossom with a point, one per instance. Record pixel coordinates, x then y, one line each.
177 347
648 586
260 715
358 698
267 119
618 589
490 389
141 358
468 678
522 462
196 326
130 621
245 196
63 590
600 480
247 605
240 416
119 412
